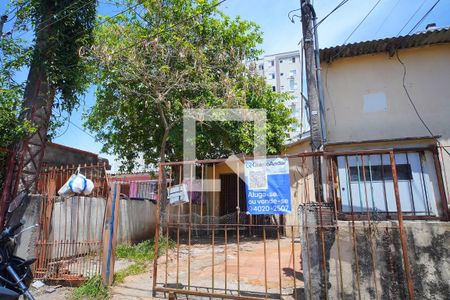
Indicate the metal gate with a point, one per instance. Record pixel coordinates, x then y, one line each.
69 246
343 241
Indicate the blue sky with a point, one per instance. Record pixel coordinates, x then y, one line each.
281 35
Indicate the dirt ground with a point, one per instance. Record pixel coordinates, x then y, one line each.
254 275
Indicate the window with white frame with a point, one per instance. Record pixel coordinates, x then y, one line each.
366 184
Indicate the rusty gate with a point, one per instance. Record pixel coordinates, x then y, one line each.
69 246
345 237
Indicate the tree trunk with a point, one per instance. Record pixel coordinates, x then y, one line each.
38 104
163 201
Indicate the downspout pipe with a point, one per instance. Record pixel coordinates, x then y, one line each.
318 76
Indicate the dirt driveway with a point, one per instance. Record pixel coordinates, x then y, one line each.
253 275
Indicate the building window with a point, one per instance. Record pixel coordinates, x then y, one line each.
272 63
261 67
274 88
281 74
293 59
292 73
292 85
281 61
272 75
366 184
282 88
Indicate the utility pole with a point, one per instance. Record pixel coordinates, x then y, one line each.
313 91
313 236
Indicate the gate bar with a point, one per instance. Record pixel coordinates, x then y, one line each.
401 228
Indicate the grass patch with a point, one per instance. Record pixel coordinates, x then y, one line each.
91 289
141 254
143 251
133 269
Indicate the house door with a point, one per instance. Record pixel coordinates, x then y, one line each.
229 194
372 187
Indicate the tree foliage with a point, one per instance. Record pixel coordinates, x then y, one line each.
13 56
165 56
61 28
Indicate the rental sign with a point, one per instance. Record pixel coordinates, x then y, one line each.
268 186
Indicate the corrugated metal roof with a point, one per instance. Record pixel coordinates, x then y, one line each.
389 45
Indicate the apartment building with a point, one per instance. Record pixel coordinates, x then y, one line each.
282 72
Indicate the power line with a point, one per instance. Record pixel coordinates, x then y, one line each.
65 131
362 21
413 15
424 16
332 11
414 106
387 17
356 28
80 128
322 20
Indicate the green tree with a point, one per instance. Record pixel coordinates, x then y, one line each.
57 75
165 56
13 56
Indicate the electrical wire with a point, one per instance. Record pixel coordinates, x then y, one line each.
424 16
356 28
65 131
414 106
362 21
81 128
292 18
413 15
331 12
387 16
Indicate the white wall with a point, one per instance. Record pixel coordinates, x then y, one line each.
347 81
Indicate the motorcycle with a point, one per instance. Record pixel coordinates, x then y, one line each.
15 273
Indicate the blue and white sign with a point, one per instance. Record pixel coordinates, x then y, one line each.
267 186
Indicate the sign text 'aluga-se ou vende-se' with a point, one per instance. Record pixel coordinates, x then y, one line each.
267 186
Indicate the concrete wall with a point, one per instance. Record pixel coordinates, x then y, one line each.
353 276
428 250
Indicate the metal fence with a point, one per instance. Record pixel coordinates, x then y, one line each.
69 246
345 238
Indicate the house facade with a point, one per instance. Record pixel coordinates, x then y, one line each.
391 94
